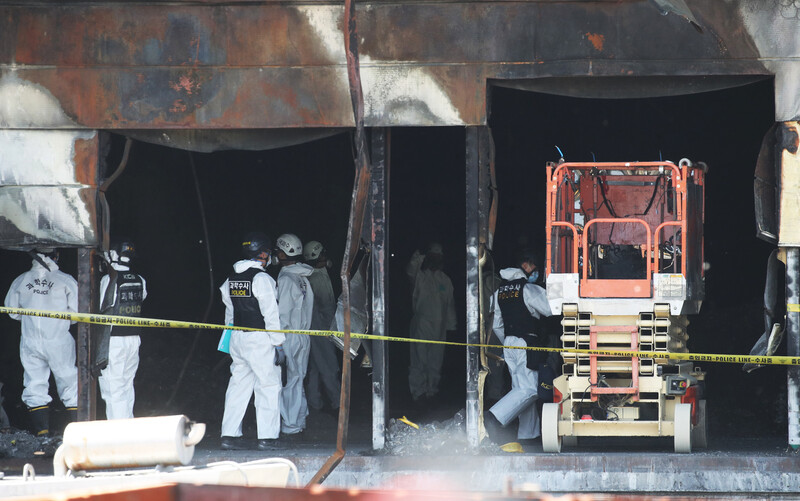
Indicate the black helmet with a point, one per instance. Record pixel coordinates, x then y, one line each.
50 252
123 247
254 243
528 255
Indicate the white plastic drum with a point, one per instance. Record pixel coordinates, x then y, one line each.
121 443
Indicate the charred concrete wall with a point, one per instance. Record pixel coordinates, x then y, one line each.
255 65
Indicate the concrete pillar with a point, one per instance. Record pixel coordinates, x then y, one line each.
379 222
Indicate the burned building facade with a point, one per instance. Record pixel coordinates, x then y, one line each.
252 75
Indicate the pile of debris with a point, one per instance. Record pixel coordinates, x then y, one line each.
445 438
22 444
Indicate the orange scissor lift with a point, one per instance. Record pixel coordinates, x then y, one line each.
624 268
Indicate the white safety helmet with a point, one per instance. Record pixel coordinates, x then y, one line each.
290 244
312 250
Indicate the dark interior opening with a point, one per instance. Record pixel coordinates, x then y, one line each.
306 189
724 129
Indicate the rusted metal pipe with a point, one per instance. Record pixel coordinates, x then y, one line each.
100 334
104 187
358 204
121 168
87 302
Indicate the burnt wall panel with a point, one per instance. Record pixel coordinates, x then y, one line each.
483 32
48 188
123 35
281 64
625 31
191 97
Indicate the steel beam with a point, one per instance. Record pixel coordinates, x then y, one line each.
793 342
477 146
787 150
379 208
88 285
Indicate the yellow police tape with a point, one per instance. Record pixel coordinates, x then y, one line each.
95 318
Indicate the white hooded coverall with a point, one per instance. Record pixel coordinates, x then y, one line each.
433 315
116 380
359 311
323 368
46 343
524 382
295 303
253 367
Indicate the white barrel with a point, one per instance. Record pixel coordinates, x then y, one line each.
121 443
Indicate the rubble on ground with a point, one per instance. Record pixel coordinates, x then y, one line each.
16 443
443 438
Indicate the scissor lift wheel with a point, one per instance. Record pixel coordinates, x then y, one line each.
683 427
551 442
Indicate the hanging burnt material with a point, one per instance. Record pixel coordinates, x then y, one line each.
358 205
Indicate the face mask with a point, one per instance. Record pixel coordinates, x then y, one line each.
533 277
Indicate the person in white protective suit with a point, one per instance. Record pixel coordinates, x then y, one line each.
359 313
129 291
433 315
295 303
250 299
518 305
46 344
323 367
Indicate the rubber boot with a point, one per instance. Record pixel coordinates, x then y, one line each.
40 420
493 428
71 415
498 433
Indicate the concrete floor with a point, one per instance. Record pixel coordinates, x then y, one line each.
729 466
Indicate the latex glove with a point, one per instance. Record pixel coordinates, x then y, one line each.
280 356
